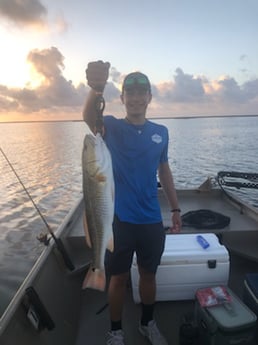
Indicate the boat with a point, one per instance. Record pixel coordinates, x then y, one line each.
51 308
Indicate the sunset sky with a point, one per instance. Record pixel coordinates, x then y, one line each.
200 55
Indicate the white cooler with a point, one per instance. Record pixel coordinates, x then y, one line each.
185 267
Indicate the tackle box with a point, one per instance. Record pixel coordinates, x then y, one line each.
225 324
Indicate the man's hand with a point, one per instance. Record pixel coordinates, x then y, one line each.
177 223
97 74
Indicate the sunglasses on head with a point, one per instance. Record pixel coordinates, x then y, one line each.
140 80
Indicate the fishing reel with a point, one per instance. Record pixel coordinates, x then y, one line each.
44 238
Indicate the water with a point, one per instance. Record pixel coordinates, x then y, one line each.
47 158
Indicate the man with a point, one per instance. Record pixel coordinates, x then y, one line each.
138 149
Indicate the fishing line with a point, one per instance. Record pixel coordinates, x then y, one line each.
58 241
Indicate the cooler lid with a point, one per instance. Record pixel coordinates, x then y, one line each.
234 315
184 248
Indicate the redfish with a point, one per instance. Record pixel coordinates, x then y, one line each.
98 192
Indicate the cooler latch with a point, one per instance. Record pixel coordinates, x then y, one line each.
212 263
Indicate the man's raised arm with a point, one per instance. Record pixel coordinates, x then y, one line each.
97 74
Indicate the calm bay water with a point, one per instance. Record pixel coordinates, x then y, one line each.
47 158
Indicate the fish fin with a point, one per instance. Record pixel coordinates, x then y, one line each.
95 279
110 245
86 231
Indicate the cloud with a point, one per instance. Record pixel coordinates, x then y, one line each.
54 92
115 75
7 103
243 57
250 89
28 14
196 95
187 88
47 62
230 92
60 24
23 12
183 95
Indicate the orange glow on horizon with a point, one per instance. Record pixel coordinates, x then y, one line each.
40 116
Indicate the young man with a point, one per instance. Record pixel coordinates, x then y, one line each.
139 149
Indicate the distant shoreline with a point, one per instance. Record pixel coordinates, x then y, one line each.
149 118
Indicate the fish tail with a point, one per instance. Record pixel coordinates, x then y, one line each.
95 279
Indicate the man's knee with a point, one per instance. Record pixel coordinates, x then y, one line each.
146 275
119 280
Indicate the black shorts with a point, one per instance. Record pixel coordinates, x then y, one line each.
147 240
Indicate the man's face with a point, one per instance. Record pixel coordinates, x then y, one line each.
136 100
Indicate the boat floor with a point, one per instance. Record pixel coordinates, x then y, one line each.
94 323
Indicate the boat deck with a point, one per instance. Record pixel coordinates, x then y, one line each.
94 326
94 322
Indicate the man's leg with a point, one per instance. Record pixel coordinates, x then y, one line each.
147 290
147 286
152 251
116 295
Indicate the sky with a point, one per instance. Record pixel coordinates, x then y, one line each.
200 55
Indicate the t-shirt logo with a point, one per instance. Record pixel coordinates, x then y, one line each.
156 138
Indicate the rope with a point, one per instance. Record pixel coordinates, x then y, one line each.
251 177
205 219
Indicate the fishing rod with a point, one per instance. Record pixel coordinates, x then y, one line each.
58 241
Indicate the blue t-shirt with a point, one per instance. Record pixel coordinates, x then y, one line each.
136 151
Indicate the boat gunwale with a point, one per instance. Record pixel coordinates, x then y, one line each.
62 229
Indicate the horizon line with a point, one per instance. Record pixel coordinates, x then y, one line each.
148 118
